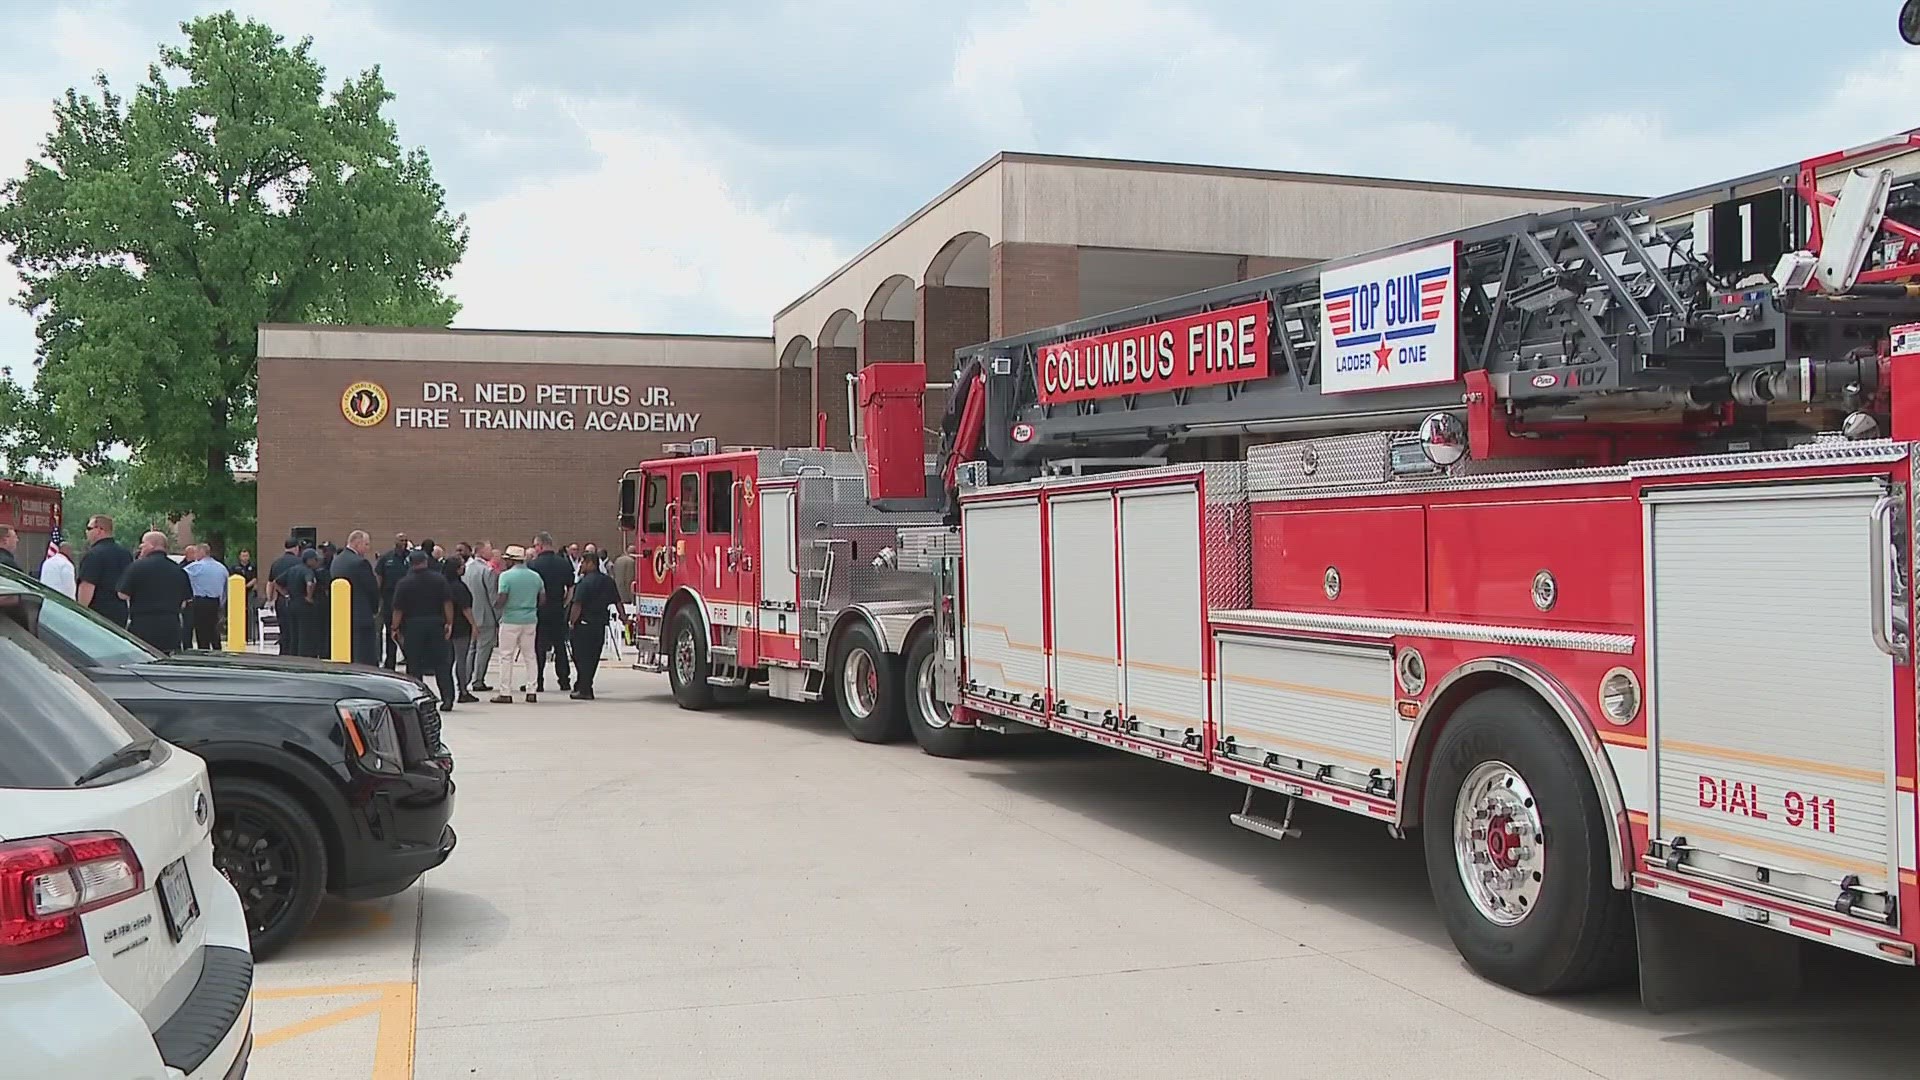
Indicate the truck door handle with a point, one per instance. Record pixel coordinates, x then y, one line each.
1880 546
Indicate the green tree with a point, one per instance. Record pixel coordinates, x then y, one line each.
159 232
107 488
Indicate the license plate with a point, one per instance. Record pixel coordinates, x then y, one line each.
177 901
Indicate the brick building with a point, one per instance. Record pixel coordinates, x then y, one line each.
471 434
1027 241
460 433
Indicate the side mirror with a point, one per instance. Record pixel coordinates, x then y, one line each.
1910 22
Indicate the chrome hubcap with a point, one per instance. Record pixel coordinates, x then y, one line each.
860 683
683 656
932 711
1499 843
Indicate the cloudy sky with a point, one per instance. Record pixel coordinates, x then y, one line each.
672 166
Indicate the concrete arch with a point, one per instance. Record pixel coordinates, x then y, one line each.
798 353
966 261
893 300
841 330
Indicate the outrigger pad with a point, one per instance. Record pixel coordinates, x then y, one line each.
1693 959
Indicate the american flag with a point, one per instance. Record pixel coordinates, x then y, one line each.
1433 294
1340 314
53 541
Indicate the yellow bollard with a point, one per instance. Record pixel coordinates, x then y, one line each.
236 614
342 621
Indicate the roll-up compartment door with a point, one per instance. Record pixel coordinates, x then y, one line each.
1313 709
1161 633
1002 628
1086 648
779 572
1771 703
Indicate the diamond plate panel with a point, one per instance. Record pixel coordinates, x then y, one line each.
1318 464
923 547
1228 542
1229 554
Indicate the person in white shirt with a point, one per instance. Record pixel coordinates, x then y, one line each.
56 571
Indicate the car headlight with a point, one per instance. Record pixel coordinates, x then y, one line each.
372 738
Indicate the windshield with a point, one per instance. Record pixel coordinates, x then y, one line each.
54 725
81 637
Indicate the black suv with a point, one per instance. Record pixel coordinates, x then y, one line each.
327 778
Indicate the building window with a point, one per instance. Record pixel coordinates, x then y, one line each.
656 519
689 503
720 502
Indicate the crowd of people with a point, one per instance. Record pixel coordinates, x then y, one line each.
170 603
449 617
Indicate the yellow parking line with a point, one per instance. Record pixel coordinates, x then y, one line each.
397 1004
324 1020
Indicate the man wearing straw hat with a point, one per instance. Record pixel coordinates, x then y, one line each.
518 603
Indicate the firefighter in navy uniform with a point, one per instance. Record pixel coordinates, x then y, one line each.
595 597
289 641
550 633
392 567
157 591
423 617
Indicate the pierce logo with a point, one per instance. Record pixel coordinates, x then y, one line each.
364 404
1022 433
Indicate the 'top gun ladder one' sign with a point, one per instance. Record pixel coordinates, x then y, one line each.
1390 322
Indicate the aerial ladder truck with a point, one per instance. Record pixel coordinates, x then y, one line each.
1578 544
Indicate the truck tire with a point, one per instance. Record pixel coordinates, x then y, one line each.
1516 848
687 666
930 720
866 687
268 847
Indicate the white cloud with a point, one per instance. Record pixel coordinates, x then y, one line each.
657 236
654 237
1169 79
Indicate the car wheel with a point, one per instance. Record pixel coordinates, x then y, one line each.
930 719
1516 849
268 847
687 667
866 687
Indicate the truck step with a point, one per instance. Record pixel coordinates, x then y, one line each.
1267 827
1250 819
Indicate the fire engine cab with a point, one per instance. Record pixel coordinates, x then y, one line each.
1579 542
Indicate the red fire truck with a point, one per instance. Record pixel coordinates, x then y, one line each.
34 512
1579 542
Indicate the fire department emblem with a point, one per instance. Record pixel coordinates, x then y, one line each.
660 564
364 404
746 491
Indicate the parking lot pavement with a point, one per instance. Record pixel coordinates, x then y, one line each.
641 891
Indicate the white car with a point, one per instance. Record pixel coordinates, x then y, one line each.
123 952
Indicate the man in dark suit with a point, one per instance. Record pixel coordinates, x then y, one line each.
353 567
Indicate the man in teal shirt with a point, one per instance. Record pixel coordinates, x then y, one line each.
519 604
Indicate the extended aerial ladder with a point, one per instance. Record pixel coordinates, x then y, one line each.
1742 314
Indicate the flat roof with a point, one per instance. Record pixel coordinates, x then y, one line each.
426 344
1141 165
